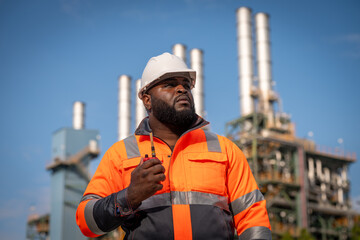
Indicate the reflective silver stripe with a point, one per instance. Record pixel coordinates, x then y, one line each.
257 233
131 146
90 196
89 217
244 202
192 198
212 140
160 200
200 198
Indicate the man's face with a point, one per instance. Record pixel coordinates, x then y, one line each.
172 102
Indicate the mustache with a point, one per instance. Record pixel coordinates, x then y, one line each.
183 96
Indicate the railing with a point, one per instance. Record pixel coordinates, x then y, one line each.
339 152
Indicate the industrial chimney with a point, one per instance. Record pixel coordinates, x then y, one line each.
245 59
264 65
196 59
139 107
78 115
180 51
124 118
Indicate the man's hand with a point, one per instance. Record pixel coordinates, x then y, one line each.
145 181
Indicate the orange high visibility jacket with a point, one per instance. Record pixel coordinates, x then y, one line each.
209 190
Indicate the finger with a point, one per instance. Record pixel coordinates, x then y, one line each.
151 162
153 174
156 169
153 188
158 186
160 177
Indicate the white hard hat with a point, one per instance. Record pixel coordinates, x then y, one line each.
162 67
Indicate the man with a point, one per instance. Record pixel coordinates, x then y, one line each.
199 185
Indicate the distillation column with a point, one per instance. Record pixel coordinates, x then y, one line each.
71 152
180 51
124 118
196 58
140 112
78 115
245 59
264 65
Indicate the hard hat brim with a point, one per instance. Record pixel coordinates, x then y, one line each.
187 73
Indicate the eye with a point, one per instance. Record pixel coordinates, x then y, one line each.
169 84
187 86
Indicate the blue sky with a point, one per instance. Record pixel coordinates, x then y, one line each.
53 53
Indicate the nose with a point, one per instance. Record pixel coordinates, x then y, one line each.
181 89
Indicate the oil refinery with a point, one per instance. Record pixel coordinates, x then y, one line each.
305 187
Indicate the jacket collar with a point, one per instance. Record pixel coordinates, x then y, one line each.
144 126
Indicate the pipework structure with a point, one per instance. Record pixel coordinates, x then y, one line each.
305 188
72 150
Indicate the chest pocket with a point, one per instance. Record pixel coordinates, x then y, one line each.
207 172
129 165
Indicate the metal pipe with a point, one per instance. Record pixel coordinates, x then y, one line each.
311 173
78 115
139 107
264 63
124 117
319 170
245 59
327 174
341 196
180 51
196 59
323 191
344 174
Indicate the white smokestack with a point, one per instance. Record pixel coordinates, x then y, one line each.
78 115
180 51
140 109
264 63
245 59
196 58
124 117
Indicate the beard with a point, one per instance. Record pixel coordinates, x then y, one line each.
167 114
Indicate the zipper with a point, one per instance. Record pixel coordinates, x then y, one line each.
169 156
204 123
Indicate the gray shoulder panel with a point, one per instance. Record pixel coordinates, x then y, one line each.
131 146
212 142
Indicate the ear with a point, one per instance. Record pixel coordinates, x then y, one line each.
147 102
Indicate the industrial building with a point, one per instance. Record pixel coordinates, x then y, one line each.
305 187
72 150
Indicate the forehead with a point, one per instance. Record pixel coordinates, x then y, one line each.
170 80
175 79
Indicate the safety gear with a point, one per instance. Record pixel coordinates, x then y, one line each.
162 67
209 189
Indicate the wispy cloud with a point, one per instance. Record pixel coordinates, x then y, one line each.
351 38
70 7
76 9
29 201
351 45
12 208
32 152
